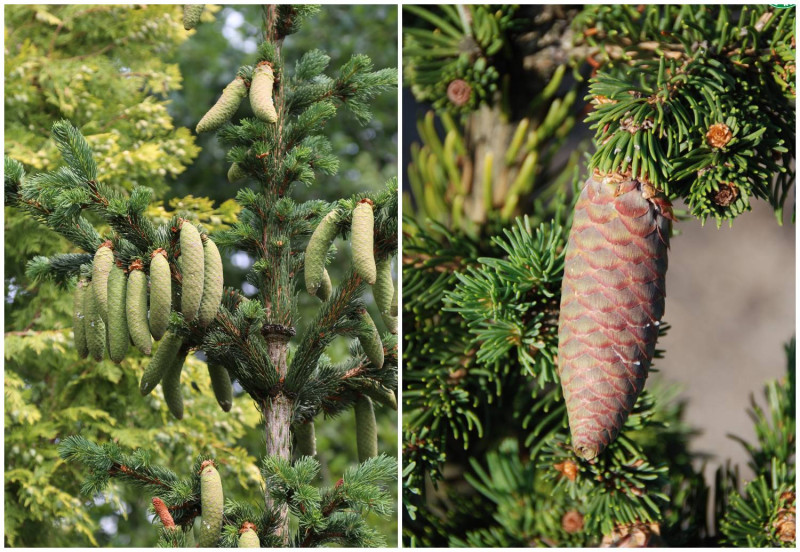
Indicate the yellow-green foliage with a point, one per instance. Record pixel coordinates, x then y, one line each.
79 319
371 341
95 327
40 488
383 290
212 283
317 248
225 107
192 265
211 502
366 429
204 211
171 385
118 337
59 63
101 267
261 93
362 240
136 307
306 439
162 360
221 384
160 293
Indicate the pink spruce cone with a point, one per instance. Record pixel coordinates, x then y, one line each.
612 301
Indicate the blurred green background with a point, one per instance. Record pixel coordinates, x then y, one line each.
136 83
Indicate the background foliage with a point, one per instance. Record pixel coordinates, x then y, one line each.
132 79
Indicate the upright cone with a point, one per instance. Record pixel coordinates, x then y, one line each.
612 301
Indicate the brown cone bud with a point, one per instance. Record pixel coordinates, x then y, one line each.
572 522
459 92
726 195
718 135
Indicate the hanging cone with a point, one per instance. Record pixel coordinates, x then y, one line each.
612 301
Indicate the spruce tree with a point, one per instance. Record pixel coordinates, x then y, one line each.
243 339
519 427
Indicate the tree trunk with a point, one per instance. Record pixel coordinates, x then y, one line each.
277 423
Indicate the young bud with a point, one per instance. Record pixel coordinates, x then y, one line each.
192 265
212 283
261 93
118 336
101 266
362 241
160 293
317 248
366 429
225 107
136 307
79 318
211 503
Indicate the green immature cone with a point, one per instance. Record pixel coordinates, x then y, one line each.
371 341
191 15
118 336
212 283
79 318
101 266
366 429
225 108
136 307
317 248
378 392
391 322
261 93
211 503
161 361
362 241
326 287
160 294
383 290
192 264
306 438
95 327
221 384
236 173
171 385
612 301
248 538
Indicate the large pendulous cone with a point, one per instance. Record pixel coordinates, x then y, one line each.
612 301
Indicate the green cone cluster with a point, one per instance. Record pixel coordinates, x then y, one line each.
261 93
211 504
125 312
225 107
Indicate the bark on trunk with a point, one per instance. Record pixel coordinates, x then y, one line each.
277 423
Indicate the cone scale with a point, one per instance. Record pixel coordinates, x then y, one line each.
612 301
